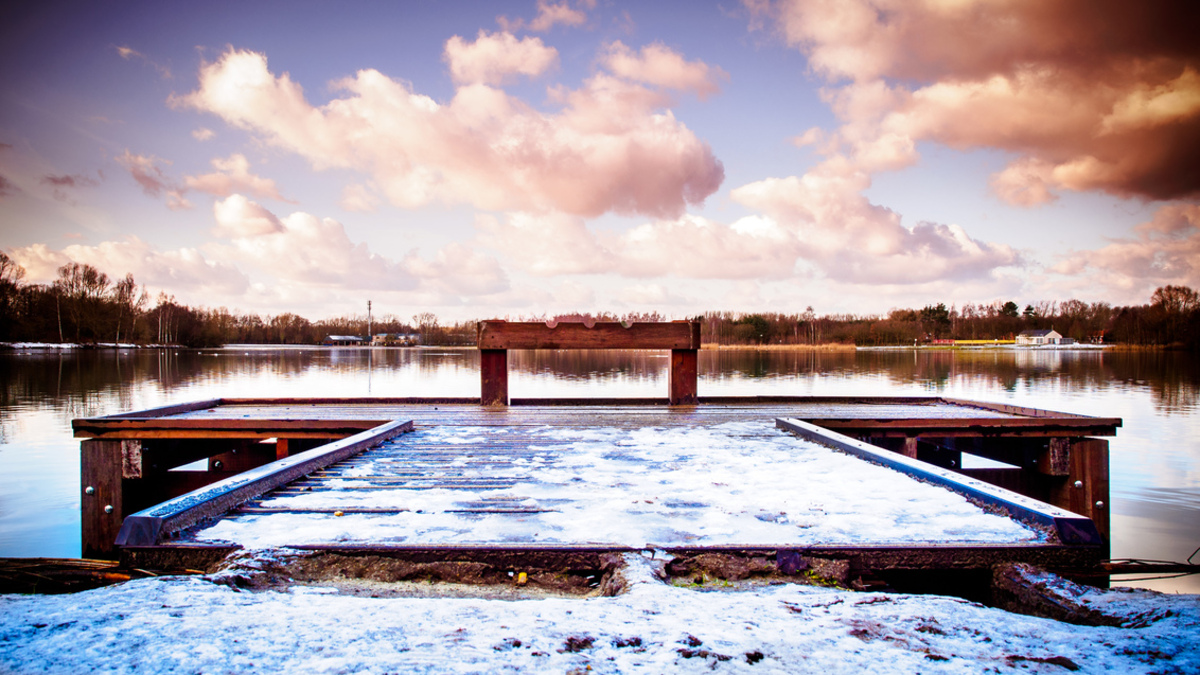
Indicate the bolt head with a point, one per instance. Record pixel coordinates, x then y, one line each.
1078 483
1099 505
108 508
89 490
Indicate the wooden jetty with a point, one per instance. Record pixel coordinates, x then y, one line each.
264 457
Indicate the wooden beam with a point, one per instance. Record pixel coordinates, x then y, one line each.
603 335
493 377
1072 528
150 526
683 374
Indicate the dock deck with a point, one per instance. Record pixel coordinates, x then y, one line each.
451 478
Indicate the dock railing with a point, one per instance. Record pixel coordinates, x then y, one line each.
496 337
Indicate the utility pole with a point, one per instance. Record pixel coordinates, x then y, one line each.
369 336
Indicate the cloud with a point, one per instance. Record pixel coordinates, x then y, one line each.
61 183
849 239
496 58
1164 250
7 189
688 247
549 15
660 66
128 53
203 134
233 175
1093 96
184 270
359 198
145 170
302 249
612 148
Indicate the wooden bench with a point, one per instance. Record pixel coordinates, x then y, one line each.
496 337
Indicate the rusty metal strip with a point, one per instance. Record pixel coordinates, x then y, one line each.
1072 528
148 527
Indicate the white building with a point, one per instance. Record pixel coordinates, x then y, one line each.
1041 336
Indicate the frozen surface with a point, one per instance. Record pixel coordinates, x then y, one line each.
192 625
733 483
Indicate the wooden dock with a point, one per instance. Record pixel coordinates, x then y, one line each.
458 479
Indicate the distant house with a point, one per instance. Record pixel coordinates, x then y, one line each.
1041 336
342 340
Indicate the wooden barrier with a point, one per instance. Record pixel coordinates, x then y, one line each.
496 337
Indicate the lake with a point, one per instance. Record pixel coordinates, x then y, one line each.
1155 458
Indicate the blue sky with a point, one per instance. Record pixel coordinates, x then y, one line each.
521 158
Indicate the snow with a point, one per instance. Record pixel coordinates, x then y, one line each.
197 625
736 483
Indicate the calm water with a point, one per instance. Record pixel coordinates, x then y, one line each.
1155 456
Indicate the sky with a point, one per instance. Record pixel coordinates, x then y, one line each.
515 159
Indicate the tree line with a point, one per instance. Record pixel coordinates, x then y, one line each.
83 305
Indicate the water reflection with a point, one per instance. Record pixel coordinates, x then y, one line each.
1155 460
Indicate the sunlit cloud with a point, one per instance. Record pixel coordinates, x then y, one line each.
1088 97
661 66
612 148
131 54
149 175
233 175
1162 251
550 14
497 58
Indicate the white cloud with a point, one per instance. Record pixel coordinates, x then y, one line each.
611 149
495 58
233 175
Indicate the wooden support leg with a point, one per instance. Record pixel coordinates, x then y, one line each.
493 376
1085 490
910 447
281 448
684 373
102 465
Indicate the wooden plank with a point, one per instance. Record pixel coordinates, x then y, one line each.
603 335
1072 528
493 377
101 496
148 527
684 373
172 409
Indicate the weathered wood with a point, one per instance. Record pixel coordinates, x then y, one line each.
603 335
1071 527
148 527
910 447
1055 460
493 377
683 375
101 492
1086 489
281 448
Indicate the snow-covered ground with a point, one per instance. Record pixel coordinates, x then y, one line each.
198 625
727 484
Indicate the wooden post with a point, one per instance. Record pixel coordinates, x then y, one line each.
1085 490
493 376
910 447
281 448
101 508
683 376
1055 460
